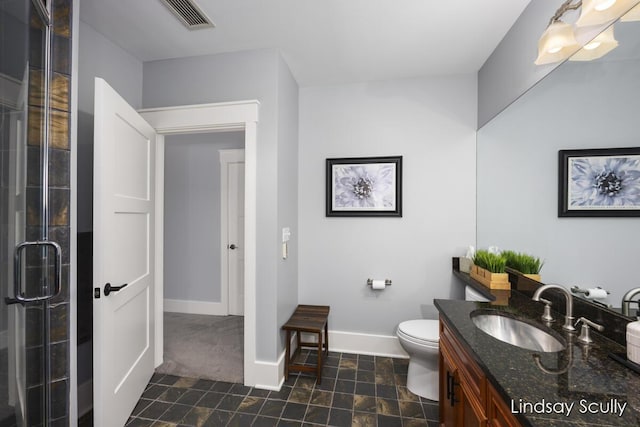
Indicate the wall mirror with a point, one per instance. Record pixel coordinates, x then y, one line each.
580 105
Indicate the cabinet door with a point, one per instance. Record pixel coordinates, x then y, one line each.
499 414
449 393
472 411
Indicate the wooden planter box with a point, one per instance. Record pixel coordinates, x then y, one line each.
490 280
535 277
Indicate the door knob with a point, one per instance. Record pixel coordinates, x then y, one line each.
232 246
108 288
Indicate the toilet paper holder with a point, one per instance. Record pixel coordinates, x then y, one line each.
578 290
387 282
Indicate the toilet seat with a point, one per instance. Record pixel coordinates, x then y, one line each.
422 331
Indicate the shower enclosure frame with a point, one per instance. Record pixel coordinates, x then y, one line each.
37 260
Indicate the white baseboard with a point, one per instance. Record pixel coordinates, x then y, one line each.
195 307
375 345
4 343
269 375
359 343
85 397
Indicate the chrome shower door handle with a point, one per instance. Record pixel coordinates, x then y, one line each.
17 272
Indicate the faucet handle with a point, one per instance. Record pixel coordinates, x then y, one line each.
546 315
588 322
585 336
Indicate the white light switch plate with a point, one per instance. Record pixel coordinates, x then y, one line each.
286 234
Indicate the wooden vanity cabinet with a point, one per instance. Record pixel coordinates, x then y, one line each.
498 412
466 397
449 391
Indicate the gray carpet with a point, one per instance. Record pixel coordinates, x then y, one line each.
200 346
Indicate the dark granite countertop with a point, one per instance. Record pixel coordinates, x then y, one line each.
599 391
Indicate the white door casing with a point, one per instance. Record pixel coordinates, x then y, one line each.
123 253
224 116
232 229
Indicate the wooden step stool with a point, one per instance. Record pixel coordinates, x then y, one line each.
311 319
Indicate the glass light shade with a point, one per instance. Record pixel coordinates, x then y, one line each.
632 15
599 12
556 44
602 44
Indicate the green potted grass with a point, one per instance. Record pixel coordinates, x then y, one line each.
526 264
489 269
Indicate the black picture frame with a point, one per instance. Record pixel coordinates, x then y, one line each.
364 187
599 182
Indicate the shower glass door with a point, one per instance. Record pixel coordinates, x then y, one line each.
29 267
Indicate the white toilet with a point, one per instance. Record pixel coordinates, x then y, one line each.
420 339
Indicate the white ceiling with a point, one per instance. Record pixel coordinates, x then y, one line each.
323 41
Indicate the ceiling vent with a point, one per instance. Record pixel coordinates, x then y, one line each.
189 14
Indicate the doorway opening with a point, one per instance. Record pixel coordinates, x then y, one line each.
203 262
148 144
242 116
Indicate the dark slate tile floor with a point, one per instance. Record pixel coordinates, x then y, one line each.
356 390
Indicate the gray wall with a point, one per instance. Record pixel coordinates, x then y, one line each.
99 57
192 214
287 280
580 105
232 77
431 122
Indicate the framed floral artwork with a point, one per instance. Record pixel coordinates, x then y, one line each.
599 182
364 186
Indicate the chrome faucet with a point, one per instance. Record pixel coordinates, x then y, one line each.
627 300
568 319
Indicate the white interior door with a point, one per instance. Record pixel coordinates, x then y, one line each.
123 257
235 206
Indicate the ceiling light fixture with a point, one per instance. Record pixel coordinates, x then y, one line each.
632 15
604 43
558 42
600 12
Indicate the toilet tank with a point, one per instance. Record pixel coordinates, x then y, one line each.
471 294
